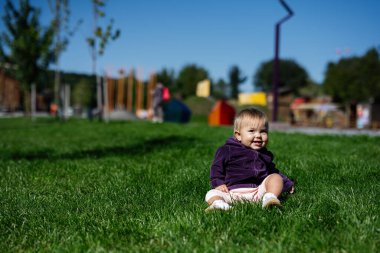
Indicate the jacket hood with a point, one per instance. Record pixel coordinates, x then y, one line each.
233 142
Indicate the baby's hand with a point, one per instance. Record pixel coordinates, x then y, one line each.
222 188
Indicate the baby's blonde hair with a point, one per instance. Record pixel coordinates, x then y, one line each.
250 114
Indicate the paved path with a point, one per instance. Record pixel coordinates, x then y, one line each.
284 127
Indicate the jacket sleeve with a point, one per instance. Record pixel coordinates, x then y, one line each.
287 183
218 170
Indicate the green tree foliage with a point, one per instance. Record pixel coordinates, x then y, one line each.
97 43
81 95
292 76
221 89
312 89
167 78
354 79
101 36
86 88
189 77
25 45
235 80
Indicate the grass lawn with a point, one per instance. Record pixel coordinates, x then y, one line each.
85 186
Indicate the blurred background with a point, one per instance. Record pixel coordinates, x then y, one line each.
102 59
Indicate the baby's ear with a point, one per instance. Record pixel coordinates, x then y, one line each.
237 135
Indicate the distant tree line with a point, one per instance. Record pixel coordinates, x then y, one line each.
354 79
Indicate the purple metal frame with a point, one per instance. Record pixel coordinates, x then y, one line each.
276 67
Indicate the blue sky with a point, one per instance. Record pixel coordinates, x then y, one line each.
216 34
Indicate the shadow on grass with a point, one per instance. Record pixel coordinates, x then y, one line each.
142 148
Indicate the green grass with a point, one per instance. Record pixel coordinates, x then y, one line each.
85 186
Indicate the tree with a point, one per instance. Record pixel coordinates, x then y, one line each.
221 90
167 78
81 95
312 89
354 79
101 36
25 45
61 14
98 41
189 77
292 76
235 80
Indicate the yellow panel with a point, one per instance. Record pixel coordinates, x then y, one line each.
203 88
256 98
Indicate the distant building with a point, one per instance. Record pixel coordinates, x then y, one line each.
10 93
11 97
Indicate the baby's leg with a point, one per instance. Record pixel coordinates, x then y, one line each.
213 195
273 185
217 200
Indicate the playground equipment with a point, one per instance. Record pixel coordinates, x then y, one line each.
276 65
176 111
203 88
128 97
253 98
221 114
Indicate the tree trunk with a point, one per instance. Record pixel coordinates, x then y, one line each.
26 102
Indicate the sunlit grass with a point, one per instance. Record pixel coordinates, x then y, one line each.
138 187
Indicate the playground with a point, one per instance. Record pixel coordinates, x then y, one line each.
134 186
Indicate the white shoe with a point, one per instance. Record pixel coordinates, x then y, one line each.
218 205
270 200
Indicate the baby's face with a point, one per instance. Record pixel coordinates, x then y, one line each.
253 134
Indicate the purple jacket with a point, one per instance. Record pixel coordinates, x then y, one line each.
238 166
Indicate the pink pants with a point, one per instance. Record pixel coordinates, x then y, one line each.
239 194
